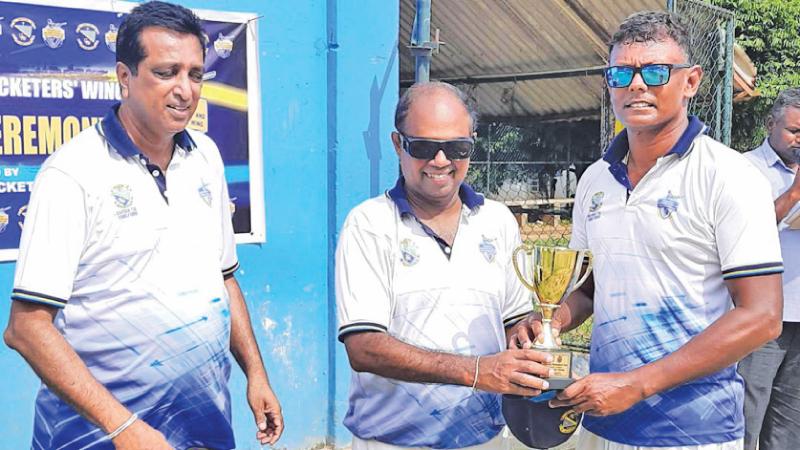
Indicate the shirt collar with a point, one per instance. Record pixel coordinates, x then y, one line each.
115 134
618 149
399 196
770 156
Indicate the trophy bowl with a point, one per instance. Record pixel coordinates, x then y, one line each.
551 273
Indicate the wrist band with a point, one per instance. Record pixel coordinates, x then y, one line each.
477 367
123 427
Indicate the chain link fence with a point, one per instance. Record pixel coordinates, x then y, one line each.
712 32
534 171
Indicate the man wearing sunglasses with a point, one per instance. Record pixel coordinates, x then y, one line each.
426 293
772 386
687 264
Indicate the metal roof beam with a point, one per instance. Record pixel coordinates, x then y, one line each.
512 77
595 32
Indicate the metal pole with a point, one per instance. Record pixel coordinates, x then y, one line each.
421 46
727 105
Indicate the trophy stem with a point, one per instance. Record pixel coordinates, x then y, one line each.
547 341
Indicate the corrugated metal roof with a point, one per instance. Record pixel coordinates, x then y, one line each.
487 38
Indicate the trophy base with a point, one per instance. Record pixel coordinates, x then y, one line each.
562 366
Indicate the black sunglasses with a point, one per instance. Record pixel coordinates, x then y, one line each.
652 74
421 148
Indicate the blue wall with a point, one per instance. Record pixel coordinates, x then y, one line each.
329 86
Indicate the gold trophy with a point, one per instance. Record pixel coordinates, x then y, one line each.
551 274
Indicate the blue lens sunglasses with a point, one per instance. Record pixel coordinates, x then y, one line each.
652 74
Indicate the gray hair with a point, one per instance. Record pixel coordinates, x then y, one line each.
653 26
418 89
787 98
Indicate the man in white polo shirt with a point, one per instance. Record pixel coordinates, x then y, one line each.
425 293
125 303
772 373
687 263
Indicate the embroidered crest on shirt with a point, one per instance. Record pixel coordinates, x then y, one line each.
205 193
488 248
595 205
408 252
123 198
667 205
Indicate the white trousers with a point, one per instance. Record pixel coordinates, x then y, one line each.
590 441
503 441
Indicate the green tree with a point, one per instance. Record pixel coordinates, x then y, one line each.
769 31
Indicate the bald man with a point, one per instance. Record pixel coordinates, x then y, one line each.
426 293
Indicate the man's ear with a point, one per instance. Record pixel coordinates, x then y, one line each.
398 147
124 76
693 80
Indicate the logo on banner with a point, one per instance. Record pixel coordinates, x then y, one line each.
54 34
4 218
111 37
87 36
22 30
223 46
1 26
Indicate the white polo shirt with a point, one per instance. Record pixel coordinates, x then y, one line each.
393 275
662 252
134 260
780 178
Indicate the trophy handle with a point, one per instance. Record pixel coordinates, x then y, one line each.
588 269
520 275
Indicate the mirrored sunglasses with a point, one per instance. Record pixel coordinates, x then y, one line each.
652 74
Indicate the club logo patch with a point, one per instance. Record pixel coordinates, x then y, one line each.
569 422
4 218
488 249
667 205
22 30
87 36
111 38
205 193
123 198
54 34
223 46
409 254
595 205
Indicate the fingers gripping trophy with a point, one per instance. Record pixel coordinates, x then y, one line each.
552 273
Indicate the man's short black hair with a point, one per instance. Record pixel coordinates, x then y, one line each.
654 26
154 14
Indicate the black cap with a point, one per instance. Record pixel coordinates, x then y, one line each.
536 424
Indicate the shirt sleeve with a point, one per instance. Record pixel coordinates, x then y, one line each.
578 239
230 262
363 274
518 302
53 239
744 224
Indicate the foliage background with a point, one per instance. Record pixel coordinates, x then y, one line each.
769 31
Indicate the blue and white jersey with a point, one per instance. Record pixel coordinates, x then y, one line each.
780 178
662 252
393 275
134 259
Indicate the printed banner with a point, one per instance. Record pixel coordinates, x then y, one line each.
57 78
